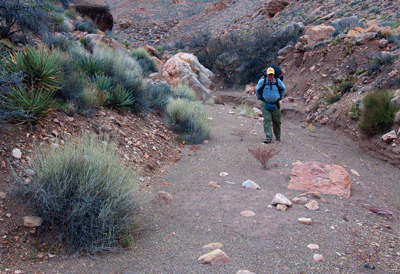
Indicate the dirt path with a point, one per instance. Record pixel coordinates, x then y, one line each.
350 238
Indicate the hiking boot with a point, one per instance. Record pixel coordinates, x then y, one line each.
278 139
267 141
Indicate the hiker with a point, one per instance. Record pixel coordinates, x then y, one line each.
270 89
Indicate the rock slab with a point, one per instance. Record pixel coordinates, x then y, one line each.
314 176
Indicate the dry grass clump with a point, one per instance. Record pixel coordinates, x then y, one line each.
263 154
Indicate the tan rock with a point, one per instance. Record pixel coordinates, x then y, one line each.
163 196
247 213
312 205
216 257
32 221
306 221
313 246
216 245
185 68
281 199
314 176
318 34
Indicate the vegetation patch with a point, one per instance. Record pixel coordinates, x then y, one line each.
85 192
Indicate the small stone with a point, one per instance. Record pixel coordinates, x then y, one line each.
163 196
3 165
313 246
32 221
355 172
216 257
216 245
16 153
250 184
306 221
300 201
8 215
281 199
29 172
3 195
244 272
312 205
213 184
318 258
223 174
281 207
247 213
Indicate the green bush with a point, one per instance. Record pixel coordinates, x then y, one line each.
40 67
87 26
36 102
85 192
147 63
183 91
378 59
158 96
190 119
119 97
91 65
378 113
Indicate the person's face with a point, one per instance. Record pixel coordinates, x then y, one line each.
270 78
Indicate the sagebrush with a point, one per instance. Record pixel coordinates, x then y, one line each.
85 192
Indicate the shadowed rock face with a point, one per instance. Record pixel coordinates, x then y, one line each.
97 10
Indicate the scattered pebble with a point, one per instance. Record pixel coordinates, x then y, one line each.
216 245
247 213
250 184
216 257
313 246
318 258
306 221
223 174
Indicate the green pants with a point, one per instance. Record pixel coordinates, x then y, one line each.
274 118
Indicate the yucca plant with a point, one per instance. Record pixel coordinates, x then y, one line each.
36 102
41 68
119 97
91 65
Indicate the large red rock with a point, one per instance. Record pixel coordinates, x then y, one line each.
323 178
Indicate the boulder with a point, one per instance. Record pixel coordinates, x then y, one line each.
185 68
97 10
275 6
345 23
318 34
314 176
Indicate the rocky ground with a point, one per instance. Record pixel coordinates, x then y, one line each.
208 205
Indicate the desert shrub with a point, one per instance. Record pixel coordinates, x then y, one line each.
263 154
8 111
85 192
125 72
145 61
87 26
92 98
378 59
378 113
40 67
58 41
344 84
188 118
18 17
331 95
158 96
70 13
355 111
183 91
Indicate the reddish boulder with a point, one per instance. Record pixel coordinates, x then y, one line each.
314 176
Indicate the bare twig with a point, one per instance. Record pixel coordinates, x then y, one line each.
263 154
